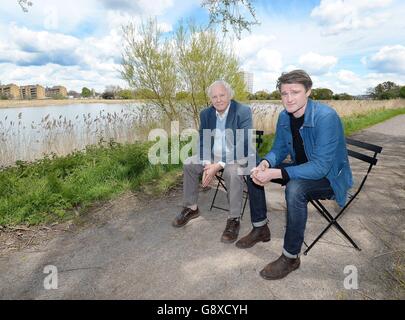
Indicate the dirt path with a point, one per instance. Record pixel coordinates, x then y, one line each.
125 253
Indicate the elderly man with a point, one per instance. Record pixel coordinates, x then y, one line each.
312 134
216 153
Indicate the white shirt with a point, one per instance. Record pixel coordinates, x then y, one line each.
219 139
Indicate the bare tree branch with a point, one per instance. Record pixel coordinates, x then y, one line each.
239 14
24 4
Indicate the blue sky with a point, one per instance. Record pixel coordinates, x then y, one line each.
345 45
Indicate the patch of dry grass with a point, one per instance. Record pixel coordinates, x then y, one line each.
265 114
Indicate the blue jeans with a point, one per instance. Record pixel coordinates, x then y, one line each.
297 195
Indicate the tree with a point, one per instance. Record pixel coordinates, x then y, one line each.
342 96
189 61
113 89
73 94
261 95
402 92
275 95
148 62
231 13
322 94
182 95
202 57
111 92
86 92
386 90
143 94
108 95
125 94
24 4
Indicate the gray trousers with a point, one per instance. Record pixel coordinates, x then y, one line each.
192 170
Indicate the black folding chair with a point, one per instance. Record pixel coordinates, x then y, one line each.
332 221
221 181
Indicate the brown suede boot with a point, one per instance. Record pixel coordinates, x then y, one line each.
280 268
256 235
231 231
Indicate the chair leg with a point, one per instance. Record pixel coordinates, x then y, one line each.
220 182
215 195
316 240
331 221
244 205
220 179
337 225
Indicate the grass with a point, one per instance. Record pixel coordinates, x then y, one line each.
355 123
57 187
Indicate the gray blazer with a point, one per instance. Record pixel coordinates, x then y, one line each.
239 117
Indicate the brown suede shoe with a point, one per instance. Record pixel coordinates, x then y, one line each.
280 268
256 235
185 216
231 231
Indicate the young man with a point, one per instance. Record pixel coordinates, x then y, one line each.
216 153
312 134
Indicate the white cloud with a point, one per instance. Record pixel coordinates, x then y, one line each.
290 67
46 57
42 40
143 7
250 45
23 46
353 83
265 60
317 64
389 59
257 56
337 16
165 27
87 35
347 77
265 81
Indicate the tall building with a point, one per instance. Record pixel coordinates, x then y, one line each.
11 91
248 78
32 92
56 91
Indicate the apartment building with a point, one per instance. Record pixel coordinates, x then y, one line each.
56 91
32 92
11 91
248 79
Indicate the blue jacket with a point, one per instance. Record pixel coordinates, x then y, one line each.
239 117
325 147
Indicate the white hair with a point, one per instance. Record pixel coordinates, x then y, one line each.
223 83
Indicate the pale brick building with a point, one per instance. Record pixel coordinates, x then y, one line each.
32 92
11 91
56 91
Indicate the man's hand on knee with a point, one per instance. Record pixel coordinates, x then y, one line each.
262 177
209 172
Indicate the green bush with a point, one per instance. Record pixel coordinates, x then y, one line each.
402 92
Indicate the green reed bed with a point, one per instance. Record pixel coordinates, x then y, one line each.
28 142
